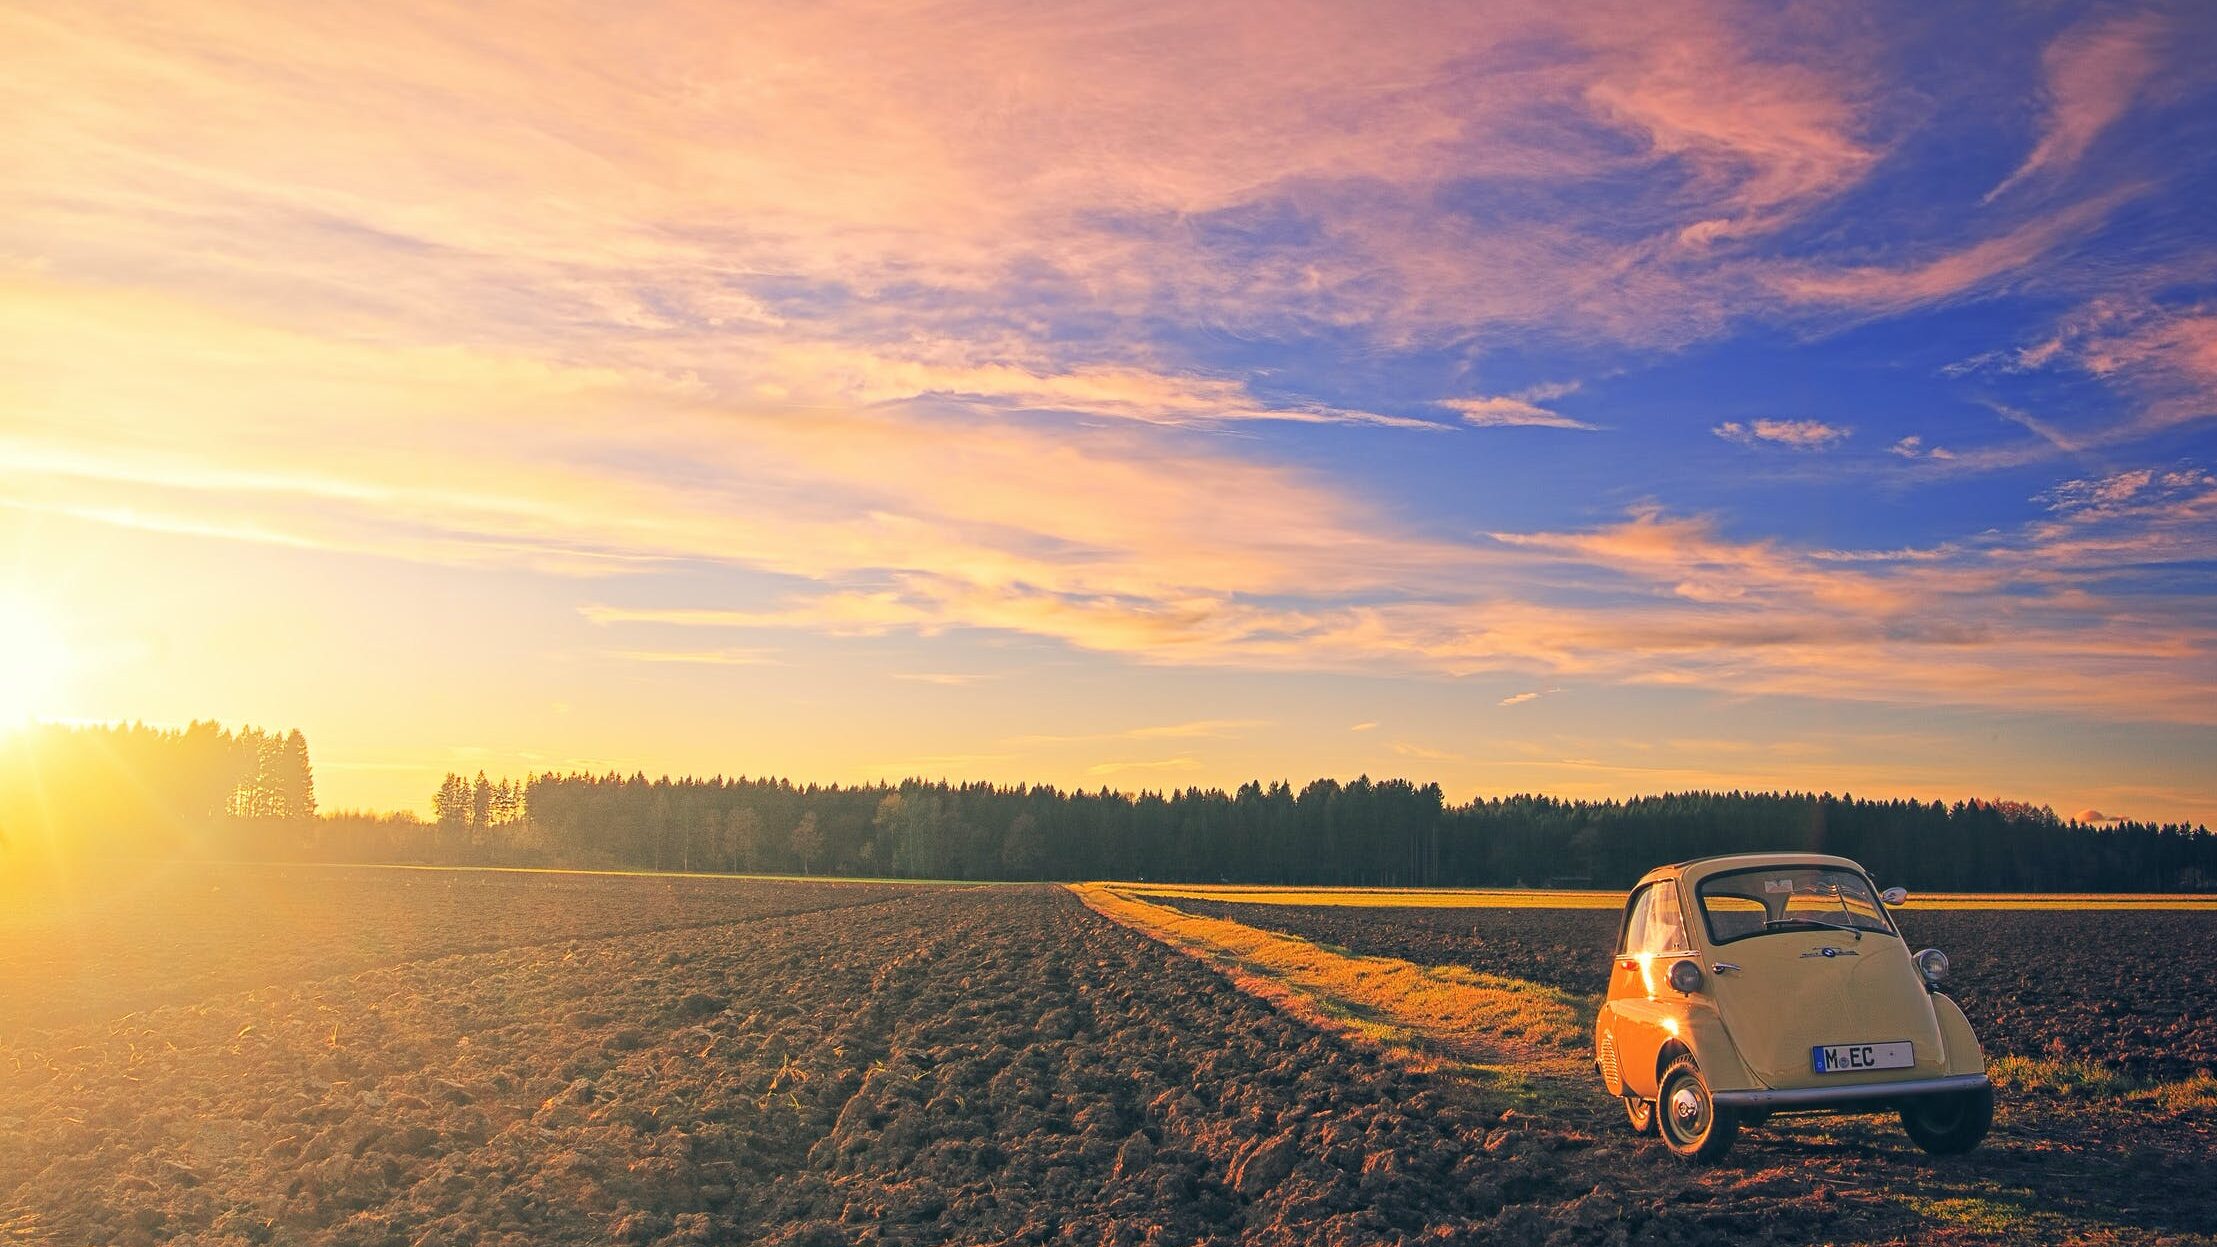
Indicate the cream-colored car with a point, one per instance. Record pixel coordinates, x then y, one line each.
1767 983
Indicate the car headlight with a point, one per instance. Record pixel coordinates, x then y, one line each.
1933 964
1685 976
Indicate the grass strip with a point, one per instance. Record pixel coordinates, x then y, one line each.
1525 1040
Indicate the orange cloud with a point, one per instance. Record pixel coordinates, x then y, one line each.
780 288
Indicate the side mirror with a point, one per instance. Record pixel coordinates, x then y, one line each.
1894 896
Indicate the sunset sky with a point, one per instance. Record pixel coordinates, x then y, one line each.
1582 398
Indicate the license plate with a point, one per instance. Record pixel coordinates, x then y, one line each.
1846 1058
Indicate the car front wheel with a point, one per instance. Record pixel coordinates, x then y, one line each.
1641 1113
1687 1116
1949 1125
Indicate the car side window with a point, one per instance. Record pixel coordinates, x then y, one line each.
1633 939
1667 924
1654 923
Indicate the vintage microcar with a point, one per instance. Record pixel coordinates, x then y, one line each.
1766 983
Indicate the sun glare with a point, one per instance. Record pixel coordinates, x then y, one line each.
34 659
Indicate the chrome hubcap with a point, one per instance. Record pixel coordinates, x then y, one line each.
1686 1103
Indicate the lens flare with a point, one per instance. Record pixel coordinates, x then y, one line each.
34 660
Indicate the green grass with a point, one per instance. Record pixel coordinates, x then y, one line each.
2066 1078
2051 1076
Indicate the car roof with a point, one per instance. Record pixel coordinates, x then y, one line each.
1699 868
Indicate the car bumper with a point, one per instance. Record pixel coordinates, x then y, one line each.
1860 1093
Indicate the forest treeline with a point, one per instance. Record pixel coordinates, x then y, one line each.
130 788
1390 833
207 790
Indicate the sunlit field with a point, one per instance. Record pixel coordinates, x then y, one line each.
254 1054
2102 1045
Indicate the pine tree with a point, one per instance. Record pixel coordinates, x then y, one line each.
451 807
296 778
481 807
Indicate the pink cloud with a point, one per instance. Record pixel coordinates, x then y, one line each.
1504 412
1768 137
1913 447
2164 356
2095 72
1880 287
1793 434
637 170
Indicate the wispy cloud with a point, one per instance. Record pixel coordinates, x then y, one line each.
2095 71
1793 434
1196 729
1913 447
1365 726
1957 272
1506 412
1518 699
2163 356
944 679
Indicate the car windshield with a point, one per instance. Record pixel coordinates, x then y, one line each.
1764 900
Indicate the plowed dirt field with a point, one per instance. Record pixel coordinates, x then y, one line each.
990 1065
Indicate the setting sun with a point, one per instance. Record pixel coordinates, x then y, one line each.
33 660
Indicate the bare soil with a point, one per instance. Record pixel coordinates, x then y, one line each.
119 936
920 1066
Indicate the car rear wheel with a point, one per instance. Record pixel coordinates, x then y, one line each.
1641 1113
1687 1116
1949 1125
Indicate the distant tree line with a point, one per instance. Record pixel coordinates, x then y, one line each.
134 788
1390 833
208 790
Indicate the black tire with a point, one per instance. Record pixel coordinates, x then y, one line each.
1687 1116
1949 1125
1641 1113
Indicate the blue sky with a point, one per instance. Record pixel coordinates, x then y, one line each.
1589 400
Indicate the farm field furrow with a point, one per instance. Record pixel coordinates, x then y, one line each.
996 1065
941 1065
2122 989
137 935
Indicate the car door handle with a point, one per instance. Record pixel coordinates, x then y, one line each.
1723 967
